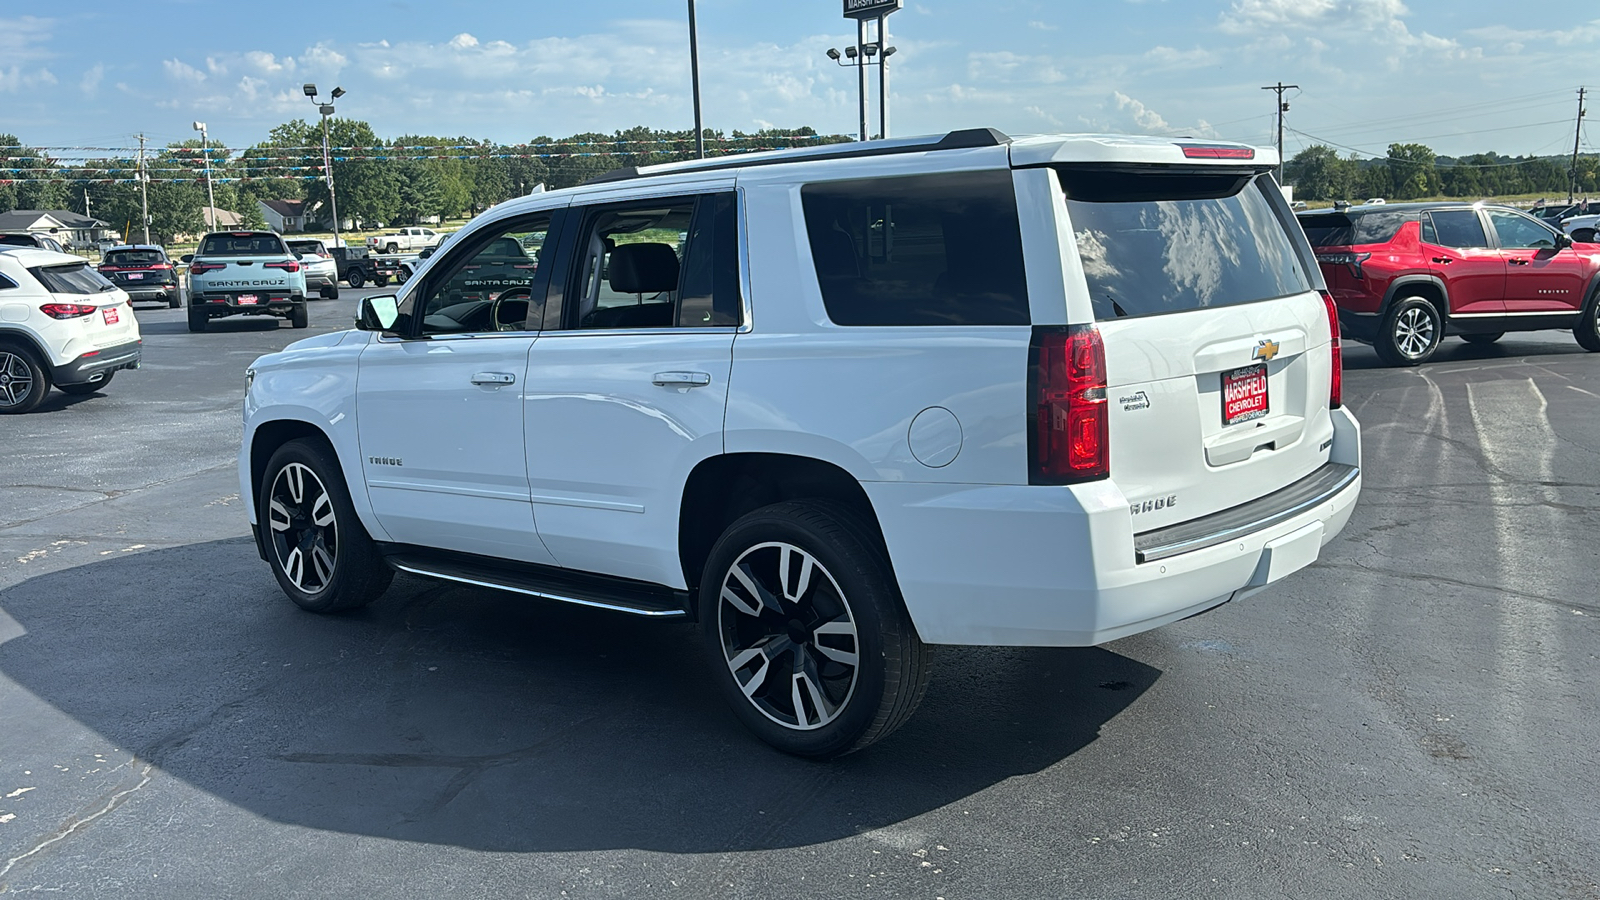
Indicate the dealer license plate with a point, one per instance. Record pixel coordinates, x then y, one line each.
135 276
248 300
1244 394
110 315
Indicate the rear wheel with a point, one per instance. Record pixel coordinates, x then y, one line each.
299 317
330 293
355 278
1588 330
1485 338
1410 333
380 280
88 388
392 249
321 555
197 318
24 382
805 629
173 300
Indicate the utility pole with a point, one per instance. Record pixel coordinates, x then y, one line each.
884 50
861 71
144 192
1283 107
1577 135
694 78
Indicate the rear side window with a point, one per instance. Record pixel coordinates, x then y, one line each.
6 284
1341 230
72 278
242 245
1178 242
134 258
940 249
1454 228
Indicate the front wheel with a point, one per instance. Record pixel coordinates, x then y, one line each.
1410 333
88 388
1588 330
806 631
1483 339
355 278
321 555
24 381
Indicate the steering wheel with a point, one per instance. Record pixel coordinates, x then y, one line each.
523 294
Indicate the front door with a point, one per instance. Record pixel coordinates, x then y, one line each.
1459 252
440 404
628 396
1541 276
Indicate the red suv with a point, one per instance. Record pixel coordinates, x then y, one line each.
1403 274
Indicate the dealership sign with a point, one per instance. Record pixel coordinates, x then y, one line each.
870 9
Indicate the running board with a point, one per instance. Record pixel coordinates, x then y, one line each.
623 595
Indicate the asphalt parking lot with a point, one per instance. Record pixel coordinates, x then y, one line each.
1414 716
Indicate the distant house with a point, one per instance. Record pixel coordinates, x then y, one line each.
219 219
284 216
72 229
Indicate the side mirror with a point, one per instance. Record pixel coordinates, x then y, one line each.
377 313
187 258
426 252
1563 241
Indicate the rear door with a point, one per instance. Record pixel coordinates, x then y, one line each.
1216 341
111 323
1460 253
1540 277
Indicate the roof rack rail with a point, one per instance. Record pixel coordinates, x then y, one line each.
964 139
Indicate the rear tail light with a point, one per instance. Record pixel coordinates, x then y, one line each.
289 266
162 266
1336 382
202 268
1069 435
66 310
1353 260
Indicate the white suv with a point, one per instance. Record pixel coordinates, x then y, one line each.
836 404
61 323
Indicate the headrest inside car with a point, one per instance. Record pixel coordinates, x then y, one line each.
644 269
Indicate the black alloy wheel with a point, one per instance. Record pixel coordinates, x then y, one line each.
23 381
319 551
355 278
1588 330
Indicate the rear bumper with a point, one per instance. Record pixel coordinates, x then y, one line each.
94 365
319 280
1022 565
1358 325
154 291
219 304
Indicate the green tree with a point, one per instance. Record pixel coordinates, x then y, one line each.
1318 173
33 186
1413 172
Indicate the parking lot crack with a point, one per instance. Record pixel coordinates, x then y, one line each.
73 826
1430 578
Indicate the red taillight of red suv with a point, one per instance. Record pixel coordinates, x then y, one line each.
290 266
1069 435
66 310
1336 382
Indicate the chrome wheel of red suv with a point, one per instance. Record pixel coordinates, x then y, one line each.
1411 332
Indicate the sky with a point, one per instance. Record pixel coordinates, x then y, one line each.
1461 76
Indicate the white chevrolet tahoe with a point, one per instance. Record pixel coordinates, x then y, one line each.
835 404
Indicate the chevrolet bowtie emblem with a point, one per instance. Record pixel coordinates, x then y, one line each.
1266 350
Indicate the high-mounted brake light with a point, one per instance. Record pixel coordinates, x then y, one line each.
66 310
1069 435
1217 151
1336 382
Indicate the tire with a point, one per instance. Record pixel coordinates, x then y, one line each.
319 551
1588 330
330 293
24 381
88 388
392 249
174 301
197 318
355 278
299 317
380 280
1484 339
842 581
1410 332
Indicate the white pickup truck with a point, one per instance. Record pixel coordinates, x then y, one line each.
405 239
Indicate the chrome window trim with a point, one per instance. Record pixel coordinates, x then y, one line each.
746 311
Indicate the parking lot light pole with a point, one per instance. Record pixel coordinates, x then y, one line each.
211 199
327 159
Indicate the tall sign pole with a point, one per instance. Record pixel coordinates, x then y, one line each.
694 80
144 192
861 11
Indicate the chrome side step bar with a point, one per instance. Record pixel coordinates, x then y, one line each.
561 586
1231 524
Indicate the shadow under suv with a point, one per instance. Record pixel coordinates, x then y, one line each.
1403 275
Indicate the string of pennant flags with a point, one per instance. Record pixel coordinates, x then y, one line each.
317 148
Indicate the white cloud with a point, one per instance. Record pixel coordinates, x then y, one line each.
1036 25
23 39
1143 116
463 40
90 82
16 79
178 70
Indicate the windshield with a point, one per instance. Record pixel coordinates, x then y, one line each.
72 278
242 245
1154 244
134 258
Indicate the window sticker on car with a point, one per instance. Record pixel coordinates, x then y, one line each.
1244 394
110 315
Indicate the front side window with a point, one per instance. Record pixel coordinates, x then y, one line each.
1153 243
941 249
488 283
72 278
1519 232
1454 228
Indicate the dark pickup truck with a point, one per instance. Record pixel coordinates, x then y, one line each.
357 266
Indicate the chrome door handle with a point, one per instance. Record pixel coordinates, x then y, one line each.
494 378
682 379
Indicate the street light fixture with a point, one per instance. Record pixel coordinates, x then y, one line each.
326 109
211 199
866 54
